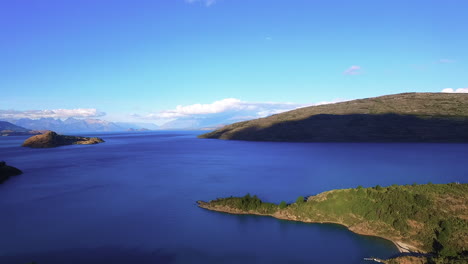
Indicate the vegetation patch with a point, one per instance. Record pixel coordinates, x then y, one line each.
429 218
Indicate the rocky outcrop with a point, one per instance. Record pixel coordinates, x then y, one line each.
7 171
51 139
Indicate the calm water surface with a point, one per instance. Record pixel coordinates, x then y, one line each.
132 199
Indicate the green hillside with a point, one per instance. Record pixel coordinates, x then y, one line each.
424 218
409 117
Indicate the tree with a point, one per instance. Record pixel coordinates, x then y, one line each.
300 200
444 237
283 205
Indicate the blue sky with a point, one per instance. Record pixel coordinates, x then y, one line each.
139 60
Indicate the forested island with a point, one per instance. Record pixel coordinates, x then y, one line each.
408 117
429 218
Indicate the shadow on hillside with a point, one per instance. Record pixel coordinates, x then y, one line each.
360 128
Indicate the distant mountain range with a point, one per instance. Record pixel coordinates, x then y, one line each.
77 125
97 125
190 123
9 129
409 117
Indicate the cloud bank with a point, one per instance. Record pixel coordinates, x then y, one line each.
353 70
235 107
451 90
56 113
223 111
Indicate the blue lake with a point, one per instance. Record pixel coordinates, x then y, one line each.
133 198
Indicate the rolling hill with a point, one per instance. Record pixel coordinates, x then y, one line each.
408 117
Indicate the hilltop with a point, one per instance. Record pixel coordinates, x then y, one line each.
408 117
418 218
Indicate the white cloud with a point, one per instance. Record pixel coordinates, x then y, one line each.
199 109
226 110
206 2
231 106
56 113
451 90
353 70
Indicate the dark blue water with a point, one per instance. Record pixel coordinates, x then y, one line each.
132 199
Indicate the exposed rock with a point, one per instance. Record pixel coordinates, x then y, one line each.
7 171
51 139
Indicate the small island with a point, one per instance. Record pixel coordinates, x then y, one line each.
431 219
7 171
50 139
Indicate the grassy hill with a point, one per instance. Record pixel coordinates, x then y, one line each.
425 218
409 117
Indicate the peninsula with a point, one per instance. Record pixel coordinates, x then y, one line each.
7 171
430 218
408 117
51 139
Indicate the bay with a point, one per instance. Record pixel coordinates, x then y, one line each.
133 198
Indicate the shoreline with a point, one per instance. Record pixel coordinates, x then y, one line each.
401 246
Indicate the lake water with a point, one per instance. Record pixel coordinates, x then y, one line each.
133 198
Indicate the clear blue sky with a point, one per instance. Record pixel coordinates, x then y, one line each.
125 57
